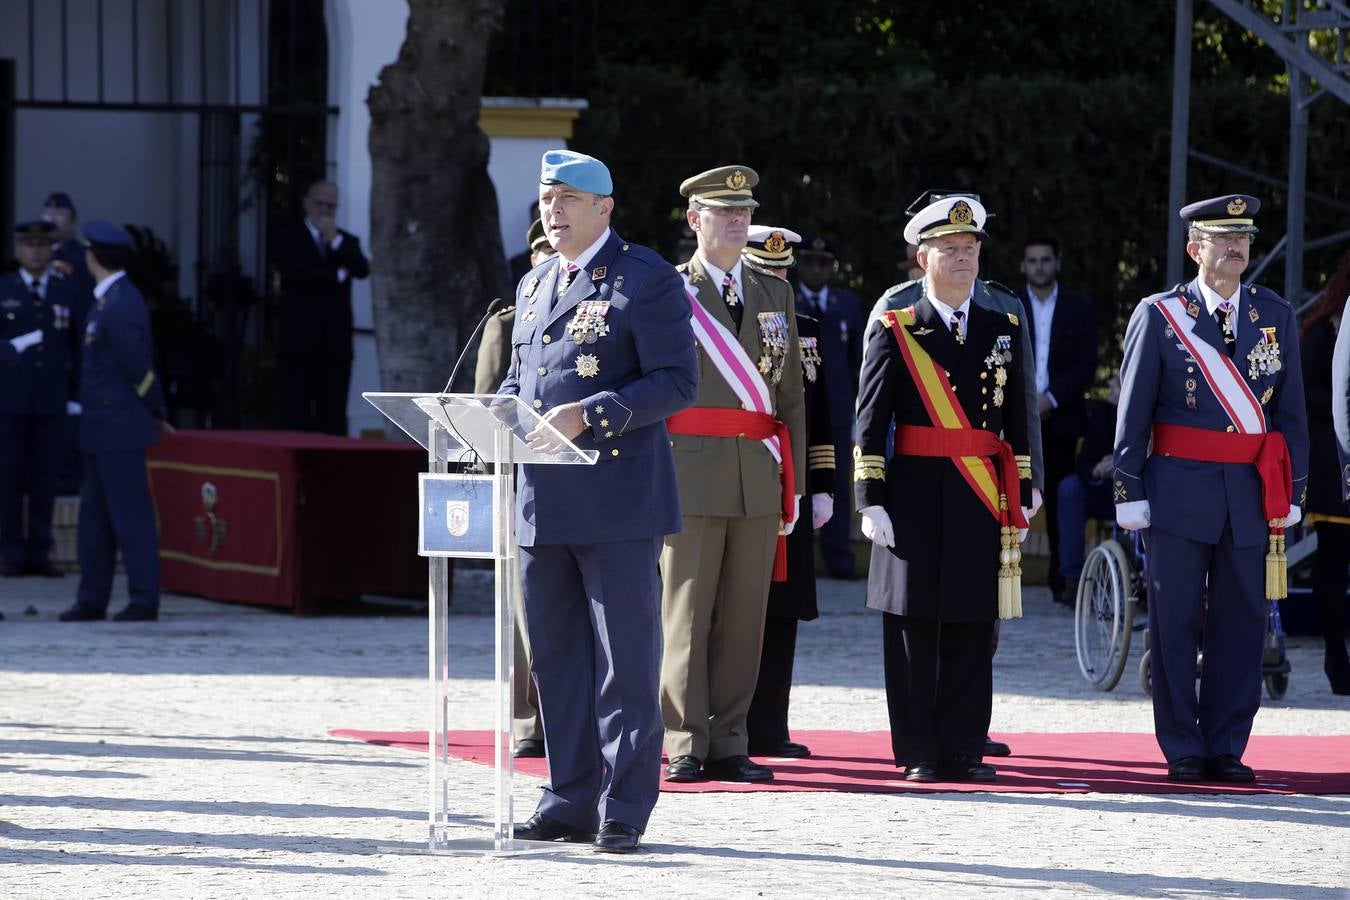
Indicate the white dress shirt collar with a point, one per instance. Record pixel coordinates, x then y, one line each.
101 289
948 313
40 283
1212 298
718 276
583 259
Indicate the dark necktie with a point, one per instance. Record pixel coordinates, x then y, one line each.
812 303
957 332
734 305
1228 324
566 281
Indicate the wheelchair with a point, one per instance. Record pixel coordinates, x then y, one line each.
1113 592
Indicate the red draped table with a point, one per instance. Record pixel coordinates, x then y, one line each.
285 518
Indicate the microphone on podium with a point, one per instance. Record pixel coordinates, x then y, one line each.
493 307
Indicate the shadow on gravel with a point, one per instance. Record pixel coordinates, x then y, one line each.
63 858
1116 881
1312 809
104 750
209 807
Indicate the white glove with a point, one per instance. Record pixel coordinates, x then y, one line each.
822 508
876 526
796 511
1036 500
1134 515
24 341
73 408
1295 516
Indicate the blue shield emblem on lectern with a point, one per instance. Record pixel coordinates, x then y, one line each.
457 516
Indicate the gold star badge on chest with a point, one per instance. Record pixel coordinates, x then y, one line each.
588 365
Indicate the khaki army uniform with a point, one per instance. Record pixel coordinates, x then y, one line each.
716 572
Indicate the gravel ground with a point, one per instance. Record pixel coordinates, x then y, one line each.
190 758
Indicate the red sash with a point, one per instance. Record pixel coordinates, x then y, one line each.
709 421
1267 451
955 443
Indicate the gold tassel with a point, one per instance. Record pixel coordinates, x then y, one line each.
1009 574
1277 572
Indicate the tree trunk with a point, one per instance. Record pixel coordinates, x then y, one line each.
435 240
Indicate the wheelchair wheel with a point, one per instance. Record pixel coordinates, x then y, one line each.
1145 676
1277 685
1103 614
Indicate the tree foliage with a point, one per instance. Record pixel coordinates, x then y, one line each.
1057 113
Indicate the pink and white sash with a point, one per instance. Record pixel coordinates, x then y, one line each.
1222 376
732 363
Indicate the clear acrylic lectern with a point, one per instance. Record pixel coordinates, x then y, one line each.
472 516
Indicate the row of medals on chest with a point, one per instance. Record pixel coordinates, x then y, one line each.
1263 359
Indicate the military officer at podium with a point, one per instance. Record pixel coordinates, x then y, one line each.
1212 459
123 414
602 349
39 350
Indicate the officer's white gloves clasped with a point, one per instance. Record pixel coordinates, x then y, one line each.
796 513
876 526
822 509
24 341
1134 515
1295 516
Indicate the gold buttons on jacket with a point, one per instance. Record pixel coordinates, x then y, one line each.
538 404
1230 428
614 453
547 339
543 370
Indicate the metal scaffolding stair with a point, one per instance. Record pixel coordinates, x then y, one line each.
1310 36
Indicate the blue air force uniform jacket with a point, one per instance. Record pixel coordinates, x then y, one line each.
40 380
639 369
119 390
1161 382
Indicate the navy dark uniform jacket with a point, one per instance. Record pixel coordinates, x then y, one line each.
119 390
44 377
1186 497
647 371
945 563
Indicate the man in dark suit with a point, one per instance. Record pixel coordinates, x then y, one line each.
68 261
840 315
1212 458
1062 324
123 414
317 261
602 349
39 350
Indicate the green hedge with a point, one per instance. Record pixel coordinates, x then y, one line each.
1083 160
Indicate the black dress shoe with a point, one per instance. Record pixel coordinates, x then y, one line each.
45 570
683 769
782 749
922 772
1188 768
966 768
540 827
736 768
82 613
134 612
1228 767
996 748
616 837
528 748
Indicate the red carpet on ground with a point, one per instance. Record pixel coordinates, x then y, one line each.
1101 762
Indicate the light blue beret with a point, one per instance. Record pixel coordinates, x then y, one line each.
585 173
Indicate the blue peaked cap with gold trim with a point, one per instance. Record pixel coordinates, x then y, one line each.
98 233
1229 214
585 173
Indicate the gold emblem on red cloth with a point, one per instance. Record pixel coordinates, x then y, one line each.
210 527
1237 206
736 180
960 213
